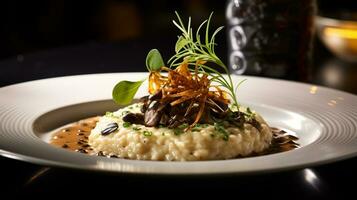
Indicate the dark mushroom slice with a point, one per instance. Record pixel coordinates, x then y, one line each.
134 118
164 119
144 100
152 115
147 100
176 121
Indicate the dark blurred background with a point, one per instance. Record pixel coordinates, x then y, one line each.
29 26
32 31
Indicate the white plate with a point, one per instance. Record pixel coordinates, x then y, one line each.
324 120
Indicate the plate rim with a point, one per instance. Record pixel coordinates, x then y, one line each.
42 161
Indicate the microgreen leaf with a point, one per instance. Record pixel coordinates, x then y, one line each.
124 92
181 42
154 60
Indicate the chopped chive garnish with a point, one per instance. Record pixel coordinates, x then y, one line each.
178 131
125 113
183 126
218 127
195 129
136 128
126 124
147 133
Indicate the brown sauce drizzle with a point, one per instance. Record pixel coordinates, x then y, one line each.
282 141
74 137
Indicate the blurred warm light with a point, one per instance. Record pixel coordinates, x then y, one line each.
313 89
341 32
332 103
339 36
332 74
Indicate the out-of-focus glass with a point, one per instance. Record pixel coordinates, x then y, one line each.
270 37
339 36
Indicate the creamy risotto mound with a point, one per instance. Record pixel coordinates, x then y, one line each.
191 112
202 142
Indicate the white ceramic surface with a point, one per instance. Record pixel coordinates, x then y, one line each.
324 119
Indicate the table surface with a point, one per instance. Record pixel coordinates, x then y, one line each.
25 178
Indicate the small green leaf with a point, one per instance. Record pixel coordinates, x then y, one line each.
124 91
181 42
154 60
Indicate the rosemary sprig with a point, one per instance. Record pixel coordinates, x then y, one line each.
193 51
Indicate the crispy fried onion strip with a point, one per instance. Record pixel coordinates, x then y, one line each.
181 86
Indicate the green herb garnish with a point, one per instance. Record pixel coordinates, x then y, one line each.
191 49
249 114
109 114
154 60
147 133
126 124
195 129
178 131
220 129
183 126
136 128
201 125
124 91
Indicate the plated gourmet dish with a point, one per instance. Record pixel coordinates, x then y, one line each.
191 112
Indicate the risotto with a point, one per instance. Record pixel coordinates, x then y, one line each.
203 142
